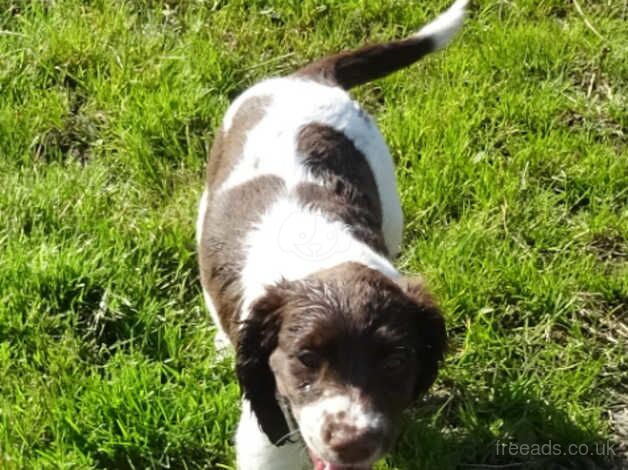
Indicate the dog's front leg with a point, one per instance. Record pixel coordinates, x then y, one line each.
255 452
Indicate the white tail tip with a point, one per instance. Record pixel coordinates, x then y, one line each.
442 29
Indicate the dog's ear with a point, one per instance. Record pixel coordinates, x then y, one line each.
256 341
431 331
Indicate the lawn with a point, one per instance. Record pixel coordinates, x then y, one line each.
512 159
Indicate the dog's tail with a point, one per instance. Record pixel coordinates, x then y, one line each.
353 68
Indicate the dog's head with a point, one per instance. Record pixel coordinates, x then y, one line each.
348 350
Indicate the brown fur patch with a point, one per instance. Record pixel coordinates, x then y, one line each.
349 192
351 68
228 146
228 220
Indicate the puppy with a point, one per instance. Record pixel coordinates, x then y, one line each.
296 231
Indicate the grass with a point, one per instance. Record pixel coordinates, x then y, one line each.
513 168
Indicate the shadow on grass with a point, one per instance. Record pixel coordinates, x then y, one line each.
511 430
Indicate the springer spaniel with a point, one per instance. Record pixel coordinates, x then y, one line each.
297 228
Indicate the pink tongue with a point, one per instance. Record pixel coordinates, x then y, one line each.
320 464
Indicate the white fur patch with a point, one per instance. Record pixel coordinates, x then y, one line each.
202 210
221 340
311 420
291 242
271 146
442 29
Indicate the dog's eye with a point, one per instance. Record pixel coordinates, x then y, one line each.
395 362
310 359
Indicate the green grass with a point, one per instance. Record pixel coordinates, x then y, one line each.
512 160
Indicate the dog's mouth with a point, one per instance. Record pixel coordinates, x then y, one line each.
321 464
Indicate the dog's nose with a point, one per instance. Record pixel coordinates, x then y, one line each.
351 444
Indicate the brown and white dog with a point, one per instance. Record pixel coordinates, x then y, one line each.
297 226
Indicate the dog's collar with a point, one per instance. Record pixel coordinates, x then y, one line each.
294 435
